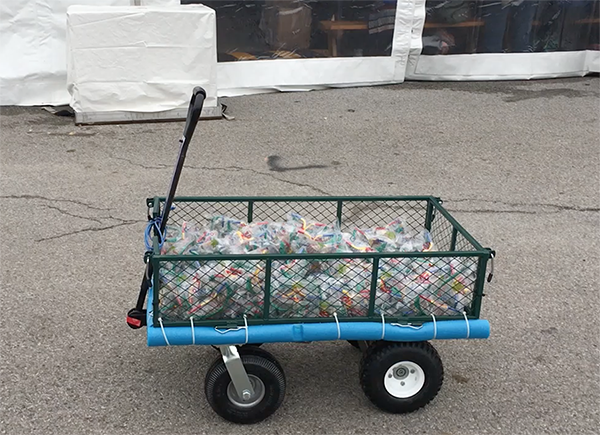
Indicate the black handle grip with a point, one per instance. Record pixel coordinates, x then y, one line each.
193 115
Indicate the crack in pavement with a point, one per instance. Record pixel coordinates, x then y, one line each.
294 183
225 168
66 213
141 165
120 221
266 174
92 229
109 217
44 198
483 211
283 180
558 207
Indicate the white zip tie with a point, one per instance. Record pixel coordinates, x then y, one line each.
237 328
434 327
337 322
225 331
468 328
382 327
408 325
162 328
193 332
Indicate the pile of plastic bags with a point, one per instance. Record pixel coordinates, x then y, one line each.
297 235
307 288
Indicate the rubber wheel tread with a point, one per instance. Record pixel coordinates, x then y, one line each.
257 351
383 355
218 379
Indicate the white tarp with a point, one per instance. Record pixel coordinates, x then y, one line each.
33 53
494 66
503 66
33 70
140 59
593 61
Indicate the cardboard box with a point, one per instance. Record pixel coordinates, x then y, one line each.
286 25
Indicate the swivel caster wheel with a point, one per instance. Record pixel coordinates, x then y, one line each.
266 382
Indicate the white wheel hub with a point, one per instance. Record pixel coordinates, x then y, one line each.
250 400
404 379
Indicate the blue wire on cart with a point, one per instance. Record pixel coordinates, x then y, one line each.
153 223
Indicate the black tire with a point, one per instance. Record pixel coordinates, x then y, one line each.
240 347
273 383
354 343
374 346
419 360
249 349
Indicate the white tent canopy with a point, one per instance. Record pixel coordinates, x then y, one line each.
34 52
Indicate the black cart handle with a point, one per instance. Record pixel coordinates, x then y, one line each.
136 317
193 115
194 110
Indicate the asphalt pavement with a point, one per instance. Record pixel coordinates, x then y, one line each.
518 163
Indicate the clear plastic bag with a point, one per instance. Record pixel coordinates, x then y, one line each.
302 288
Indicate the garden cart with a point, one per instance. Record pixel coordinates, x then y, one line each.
389 303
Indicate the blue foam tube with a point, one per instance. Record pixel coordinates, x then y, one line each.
304 332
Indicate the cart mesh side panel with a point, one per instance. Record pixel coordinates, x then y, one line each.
369 214
462 244
200 212
320 211
446 236
211 290
319 288
402 286
413 287
353 214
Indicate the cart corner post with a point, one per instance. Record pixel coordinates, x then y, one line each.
479 283
453 238
373 290
429 214
340 204
155 283
267 302
250 211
